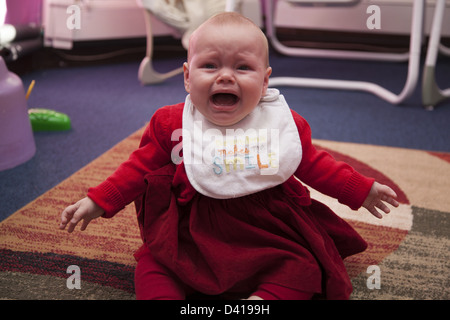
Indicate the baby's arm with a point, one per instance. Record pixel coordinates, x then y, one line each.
337 179
378 195
85 209
127 182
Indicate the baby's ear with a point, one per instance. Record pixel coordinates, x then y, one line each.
186 76
266 81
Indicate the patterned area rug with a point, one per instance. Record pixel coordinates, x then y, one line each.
407 258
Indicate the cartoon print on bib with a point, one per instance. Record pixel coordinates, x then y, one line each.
247 150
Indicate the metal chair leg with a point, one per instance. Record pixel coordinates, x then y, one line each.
413 56
146 73
431 93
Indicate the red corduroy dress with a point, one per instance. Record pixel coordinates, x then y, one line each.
215 246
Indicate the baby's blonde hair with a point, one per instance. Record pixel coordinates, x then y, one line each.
230 18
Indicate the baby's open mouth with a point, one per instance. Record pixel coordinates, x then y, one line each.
224 99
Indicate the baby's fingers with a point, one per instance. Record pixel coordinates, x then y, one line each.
71 216
380 205
67 215
74 221
389 196
392 201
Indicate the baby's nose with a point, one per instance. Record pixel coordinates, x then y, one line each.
225 76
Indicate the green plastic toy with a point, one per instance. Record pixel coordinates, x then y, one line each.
48 120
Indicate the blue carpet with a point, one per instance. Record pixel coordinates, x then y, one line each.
106 103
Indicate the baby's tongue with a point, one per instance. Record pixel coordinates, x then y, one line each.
224 99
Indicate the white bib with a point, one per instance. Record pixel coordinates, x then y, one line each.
259 152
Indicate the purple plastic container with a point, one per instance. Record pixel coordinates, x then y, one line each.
16 137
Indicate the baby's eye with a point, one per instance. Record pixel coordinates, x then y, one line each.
244 67
209 66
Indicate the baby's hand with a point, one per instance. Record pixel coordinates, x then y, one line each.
378 195
85 210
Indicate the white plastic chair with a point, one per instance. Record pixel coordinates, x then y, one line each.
413 56
174 17
146 73
431 94
430 91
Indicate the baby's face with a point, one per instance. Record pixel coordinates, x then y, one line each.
227 72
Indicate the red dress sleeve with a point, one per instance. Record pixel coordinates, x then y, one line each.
127 182
321 171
